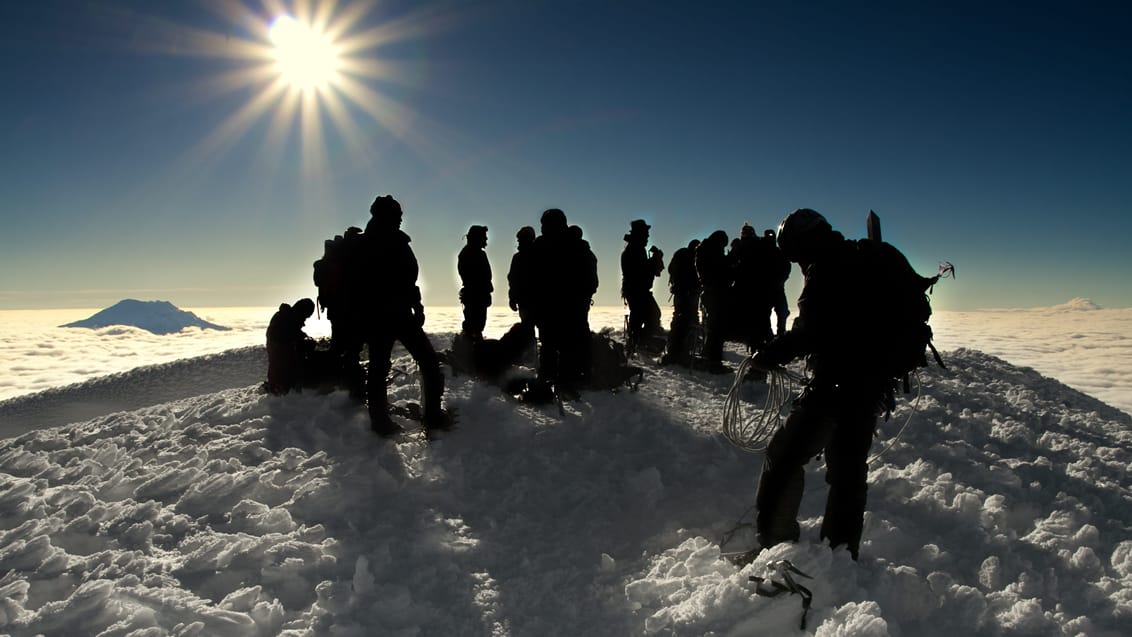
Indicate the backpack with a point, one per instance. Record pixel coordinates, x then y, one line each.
490 358
903 310
609 370
330 271
609 363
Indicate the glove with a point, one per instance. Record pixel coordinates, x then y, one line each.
514 306
418 314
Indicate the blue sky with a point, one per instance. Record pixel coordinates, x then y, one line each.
995 137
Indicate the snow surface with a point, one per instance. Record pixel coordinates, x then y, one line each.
159 317
1003 509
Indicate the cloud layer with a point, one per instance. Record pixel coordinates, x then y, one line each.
1076 343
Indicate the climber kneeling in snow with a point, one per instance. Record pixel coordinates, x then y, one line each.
288 347
839 332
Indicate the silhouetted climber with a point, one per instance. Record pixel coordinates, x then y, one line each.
837 331
780 272
750 290
565 271
520 278
733 252
684 284
638 271
475 277
521 285
393 312
714 273
586 286
288 347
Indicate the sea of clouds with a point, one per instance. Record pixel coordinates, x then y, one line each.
1077 343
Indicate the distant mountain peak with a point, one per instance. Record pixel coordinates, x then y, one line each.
1078 304
159 317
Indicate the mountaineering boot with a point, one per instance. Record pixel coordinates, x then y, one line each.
746 558
383 425
439 419
436 422
538 391
675 358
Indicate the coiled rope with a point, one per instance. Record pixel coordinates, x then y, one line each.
753 435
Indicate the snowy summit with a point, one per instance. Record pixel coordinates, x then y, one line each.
1079 304
1001 509
159 317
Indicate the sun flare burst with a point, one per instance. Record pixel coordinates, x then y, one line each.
303 65
305 57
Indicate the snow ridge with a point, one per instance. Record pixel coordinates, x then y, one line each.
140 387
1002 510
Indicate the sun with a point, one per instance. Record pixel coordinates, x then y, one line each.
307 68
305 57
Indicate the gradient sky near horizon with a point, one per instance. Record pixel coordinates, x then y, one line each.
148 150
